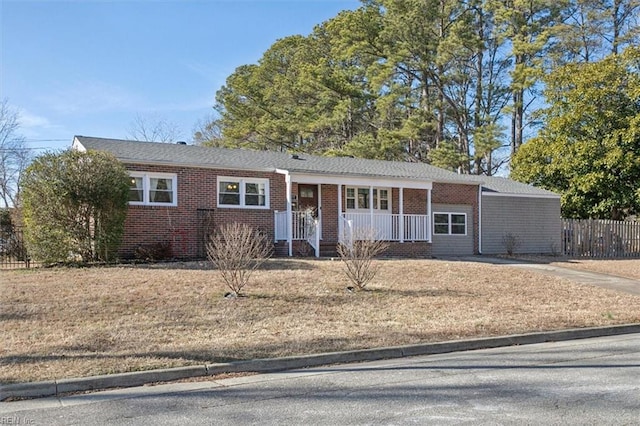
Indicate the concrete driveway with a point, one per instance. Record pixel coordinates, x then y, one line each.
612 282
590 381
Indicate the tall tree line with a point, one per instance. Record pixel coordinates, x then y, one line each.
452 83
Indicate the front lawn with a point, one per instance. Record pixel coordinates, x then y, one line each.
59 323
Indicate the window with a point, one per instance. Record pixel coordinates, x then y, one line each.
351 198
450 223
243 192
305 192
358 198
153 189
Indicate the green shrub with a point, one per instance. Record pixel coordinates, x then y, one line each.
74 206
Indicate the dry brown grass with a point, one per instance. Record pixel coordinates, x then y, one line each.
628 268
60 323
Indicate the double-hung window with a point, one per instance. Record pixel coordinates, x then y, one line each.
249 193
153 189
450 223
358 198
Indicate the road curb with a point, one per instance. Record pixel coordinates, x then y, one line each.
139 378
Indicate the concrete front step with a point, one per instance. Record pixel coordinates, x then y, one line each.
302 249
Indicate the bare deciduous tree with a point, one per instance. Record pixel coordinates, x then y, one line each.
14 155
237 250
357 252
153 129
207 132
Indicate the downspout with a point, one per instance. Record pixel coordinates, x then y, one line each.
429 215
479 219
287 179
318 222
340 230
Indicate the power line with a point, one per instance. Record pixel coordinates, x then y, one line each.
25 149
46 140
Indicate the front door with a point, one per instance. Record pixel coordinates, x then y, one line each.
308 198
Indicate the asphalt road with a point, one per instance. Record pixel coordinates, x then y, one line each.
590 381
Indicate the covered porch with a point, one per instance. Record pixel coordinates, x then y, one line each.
331 210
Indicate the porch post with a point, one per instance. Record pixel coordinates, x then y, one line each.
319 212
429 214
401 211
371 211
287 179
340 230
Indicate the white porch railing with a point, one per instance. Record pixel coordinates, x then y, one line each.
305 227
281 222
345 231
391 227
387 227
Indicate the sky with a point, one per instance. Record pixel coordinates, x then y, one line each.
89 67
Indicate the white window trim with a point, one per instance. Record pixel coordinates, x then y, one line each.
242 181
449 223
376 209
146 187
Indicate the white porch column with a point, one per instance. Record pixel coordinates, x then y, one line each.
371 210
319 229
429 214
340 230
401 212
287 180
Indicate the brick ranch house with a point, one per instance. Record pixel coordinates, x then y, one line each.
180 193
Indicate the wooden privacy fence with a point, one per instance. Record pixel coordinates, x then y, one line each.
600 238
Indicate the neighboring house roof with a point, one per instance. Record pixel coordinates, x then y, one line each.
136 152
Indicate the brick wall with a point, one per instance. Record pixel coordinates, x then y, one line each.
415 201
415 250
182 225
329 195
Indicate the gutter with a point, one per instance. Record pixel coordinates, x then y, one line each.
480 219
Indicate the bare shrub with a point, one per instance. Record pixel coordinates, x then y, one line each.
511 243
161 250
237 250
357 254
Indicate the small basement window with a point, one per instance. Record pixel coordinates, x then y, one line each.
248 193
153 189
450 223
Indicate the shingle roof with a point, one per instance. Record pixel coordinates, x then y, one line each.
494 184
197 156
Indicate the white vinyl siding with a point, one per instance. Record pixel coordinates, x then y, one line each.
535 222
452 243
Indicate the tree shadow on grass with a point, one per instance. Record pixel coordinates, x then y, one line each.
16 316
427 292
68 353
271 264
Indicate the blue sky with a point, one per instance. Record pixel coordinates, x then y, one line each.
89 67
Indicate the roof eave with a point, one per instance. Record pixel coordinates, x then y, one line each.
169 163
